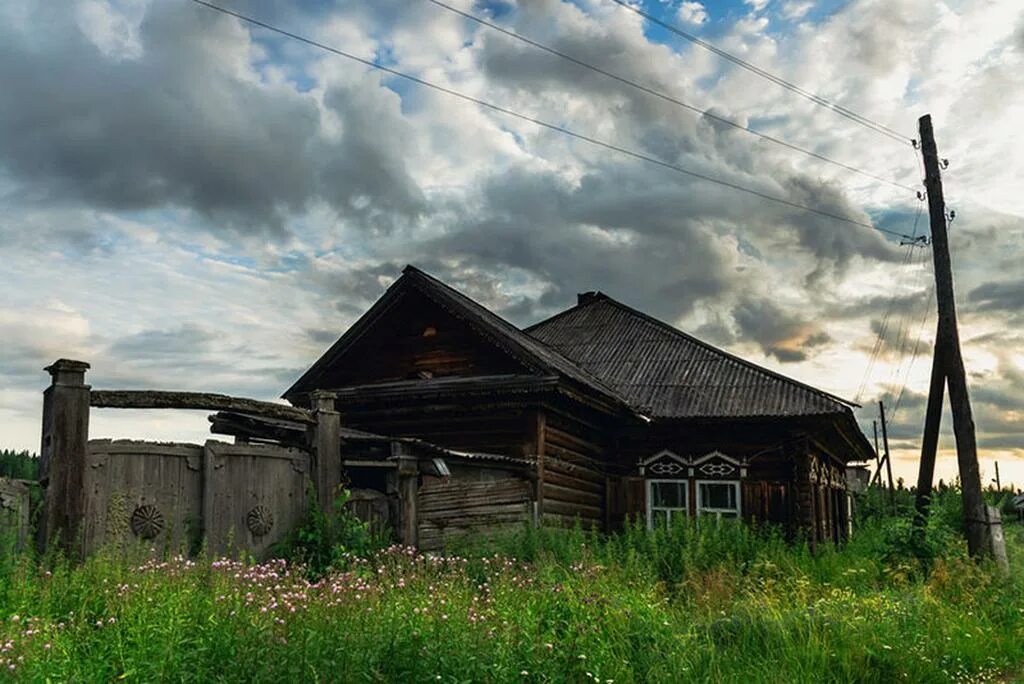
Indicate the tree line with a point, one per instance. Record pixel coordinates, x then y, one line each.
20 465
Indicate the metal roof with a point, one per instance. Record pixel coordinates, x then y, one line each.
665 373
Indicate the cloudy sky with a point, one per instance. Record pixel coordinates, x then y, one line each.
188 202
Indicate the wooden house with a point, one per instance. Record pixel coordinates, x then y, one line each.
598 414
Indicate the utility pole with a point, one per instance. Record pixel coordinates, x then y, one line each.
888 460
999 485
948 356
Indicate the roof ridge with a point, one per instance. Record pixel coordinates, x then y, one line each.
598 296
707 345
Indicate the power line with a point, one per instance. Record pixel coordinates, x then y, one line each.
903 330
917 349
883 328
817 99
565 131
662 95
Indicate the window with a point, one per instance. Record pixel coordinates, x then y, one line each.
720 499
667 501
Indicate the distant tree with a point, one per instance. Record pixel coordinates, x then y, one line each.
20 465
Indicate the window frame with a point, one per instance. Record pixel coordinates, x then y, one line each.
717 512
685 508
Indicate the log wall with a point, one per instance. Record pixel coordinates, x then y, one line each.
451 509
574 476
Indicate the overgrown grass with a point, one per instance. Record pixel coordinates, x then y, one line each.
707 603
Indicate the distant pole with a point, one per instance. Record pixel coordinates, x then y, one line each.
878 455
999 486
949 344
888 459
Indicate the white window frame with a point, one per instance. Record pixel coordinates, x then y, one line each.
685 508
717 512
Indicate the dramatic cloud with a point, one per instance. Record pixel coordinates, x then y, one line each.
189 201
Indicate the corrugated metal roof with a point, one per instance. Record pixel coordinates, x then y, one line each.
665 373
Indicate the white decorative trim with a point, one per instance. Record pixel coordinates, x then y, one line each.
664 452
717 454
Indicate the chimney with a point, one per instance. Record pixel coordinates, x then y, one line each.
586 297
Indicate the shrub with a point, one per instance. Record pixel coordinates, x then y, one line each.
330 539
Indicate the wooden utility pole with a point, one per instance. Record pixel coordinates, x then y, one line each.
888 460
949 358
999 485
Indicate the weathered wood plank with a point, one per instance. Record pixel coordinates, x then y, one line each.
572 509
158 399
570 441
559 478
573 457
577 470
477 516
574 496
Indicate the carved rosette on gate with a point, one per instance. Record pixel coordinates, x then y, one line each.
147 521
259 520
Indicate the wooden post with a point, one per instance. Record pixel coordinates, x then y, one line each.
878 455
539 424
63 453
888 458
327 469
999 485
949 340
930 441
408 491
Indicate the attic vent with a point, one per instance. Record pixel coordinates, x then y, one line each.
585 298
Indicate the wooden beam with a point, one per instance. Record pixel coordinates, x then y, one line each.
203 401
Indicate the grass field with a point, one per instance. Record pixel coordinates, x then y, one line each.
691 604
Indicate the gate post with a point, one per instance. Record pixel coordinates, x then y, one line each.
408 491
63 453
326 448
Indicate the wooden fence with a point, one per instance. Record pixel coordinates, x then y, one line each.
224 496
15 531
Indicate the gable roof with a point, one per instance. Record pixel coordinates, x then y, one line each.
666 373
533 354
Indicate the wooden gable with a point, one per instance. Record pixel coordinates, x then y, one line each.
415 338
